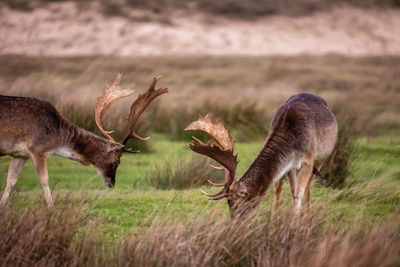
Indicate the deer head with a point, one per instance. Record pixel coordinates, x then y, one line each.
107 163
223 153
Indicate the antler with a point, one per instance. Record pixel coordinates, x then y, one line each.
111 94
114 92
222 152
139 106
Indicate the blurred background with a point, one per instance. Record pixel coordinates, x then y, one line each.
239 59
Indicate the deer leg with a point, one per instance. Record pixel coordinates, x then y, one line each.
303 179
14 170
291 176
41 170
303 176
277 193
317 166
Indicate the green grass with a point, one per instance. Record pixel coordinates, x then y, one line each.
373 193
364 87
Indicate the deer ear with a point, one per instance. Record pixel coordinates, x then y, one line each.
242 190
115 147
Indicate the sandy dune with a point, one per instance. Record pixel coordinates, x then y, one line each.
65 30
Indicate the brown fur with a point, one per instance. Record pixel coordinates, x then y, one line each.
31 128
303 131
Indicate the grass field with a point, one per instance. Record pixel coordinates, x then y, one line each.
365 89
374 193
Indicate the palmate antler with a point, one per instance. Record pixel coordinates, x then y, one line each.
222 152
139 106
111 94
114 92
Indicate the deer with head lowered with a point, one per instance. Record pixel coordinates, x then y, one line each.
302 134
31 128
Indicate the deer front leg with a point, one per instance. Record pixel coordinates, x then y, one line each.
40 163
292 178
303 180
277 193
317 165
14 170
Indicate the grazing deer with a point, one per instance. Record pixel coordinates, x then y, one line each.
303 132
31 128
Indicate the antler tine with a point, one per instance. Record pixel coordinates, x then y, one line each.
224 157
215 184
222 168
217 168
222 152
139 106
111 94
220 195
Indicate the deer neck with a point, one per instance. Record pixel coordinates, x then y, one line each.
80 145
272 163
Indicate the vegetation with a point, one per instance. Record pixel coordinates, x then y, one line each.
51 237
371 194
157 216
182 174
243 96
38 235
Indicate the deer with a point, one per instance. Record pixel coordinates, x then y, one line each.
33 129
302 134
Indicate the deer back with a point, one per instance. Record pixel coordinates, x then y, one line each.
28 122
305 124
303 127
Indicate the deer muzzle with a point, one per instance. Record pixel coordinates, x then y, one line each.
110 182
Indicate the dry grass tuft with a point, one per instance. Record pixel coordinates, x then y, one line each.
259 241
39 236
372 246
211 241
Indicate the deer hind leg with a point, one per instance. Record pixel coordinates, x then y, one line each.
16 165
277 193
40 163
317 166
303 180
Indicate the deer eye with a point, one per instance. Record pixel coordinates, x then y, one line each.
116 162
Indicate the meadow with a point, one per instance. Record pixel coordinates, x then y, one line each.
156 208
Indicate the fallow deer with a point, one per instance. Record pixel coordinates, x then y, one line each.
31 128
303 132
